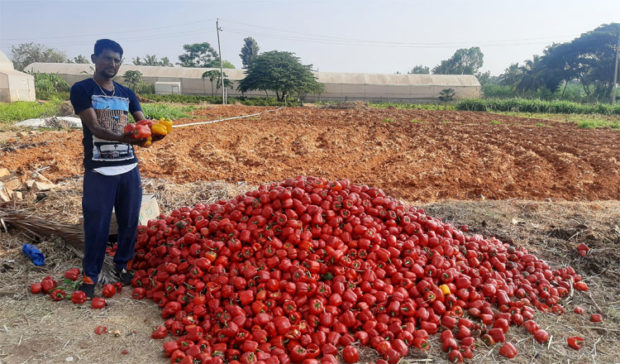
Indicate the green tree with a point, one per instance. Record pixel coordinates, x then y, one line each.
483 77
213 76
151 60
281 72
420 70
226 64
133 78
249 51
80 59
199 55
463 62
532 75
589 58
447 95
26 53
511 76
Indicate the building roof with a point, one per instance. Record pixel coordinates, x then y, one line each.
5 63
239 74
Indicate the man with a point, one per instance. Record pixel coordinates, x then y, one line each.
111 175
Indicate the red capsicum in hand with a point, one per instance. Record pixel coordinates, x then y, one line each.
137 131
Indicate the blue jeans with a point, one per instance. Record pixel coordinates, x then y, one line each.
122 192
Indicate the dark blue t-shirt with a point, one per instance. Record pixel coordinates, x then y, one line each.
112 109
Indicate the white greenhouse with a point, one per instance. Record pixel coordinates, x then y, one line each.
338 86
14 85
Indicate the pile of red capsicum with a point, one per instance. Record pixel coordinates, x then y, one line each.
308 269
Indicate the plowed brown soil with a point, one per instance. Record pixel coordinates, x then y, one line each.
411 154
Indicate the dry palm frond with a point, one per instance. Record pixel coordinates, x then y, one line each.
71 233
41 228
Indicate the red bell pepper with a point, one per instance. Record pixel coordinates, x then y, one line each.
48 284
72 274
97 303
58 294
508 350
160 332
108 290
138 293
575 342
78 297
35 288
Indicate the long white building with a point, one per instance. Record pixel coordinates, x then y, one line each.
338 86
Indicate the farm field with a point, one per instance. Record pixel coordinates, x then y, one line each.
410 154
541 184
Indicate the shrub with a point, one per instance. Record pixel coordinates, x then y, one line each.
48 85
156 111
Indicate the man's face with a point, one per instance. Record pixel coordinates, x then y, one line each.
107 63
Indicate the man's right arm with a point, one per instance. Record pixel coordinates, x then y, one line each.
89 118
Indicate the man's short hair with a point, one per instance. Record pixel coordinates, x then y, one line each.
103 44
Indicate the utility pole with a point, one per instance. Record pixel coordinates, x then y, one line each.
613 89
219 49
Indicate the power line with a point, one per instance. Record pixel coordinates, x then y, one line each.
352 43
331 39
131 32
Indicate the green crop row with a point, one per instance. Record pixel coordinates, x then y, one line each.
162 110
196 99
536 106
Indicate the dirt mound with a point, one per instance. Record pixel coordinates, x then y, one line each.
411 154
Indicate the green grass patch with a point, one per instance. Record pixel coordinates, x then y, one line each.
170 111
388 120
542 125
586 121
23 110
597 124
385 105
495 122
415 121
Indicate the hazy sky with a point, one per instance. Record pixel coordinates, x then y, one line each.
335 36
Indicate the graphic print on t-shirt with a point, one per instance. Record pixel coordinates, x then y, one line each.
112 115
